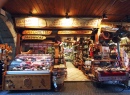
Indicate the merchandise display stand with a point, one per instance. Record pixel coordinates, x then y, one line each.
5 50
104 73
59 73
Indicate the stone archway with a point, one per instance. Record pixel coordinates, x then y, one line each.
7 32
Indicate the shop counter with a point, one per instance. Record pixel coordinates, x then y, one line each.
28 72
27 82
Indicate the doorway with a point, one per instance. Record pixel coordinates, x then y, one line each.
75 50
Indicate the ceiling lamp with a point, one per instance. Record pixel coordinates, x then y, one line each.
104 16
30 14
67 16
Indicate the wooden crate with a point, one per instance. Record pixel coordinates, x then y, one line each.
27 82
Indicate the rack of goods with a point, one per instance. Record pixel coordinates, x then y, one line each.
105 73
5 57
29 72
59 73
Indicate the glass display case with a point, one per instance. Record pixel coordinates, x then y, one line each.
31 71
30 62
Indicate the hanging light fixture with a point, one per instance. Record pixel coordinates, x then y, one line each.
67 21
104 16
66 15
30 14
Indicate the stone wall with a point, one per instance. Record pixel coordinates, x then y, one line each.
7 31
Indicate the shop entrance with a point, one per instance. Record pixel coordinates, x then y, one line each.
69 49
75 50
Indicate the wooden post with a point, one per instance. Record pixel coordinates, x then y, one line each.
18 43
56 53
98 33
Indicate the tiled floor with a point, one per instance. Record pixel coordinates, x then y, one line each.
74 74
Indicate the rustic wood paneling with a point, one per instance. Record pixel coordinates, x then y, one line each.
115 9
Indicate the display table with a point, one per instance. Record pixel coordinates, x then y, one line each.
111 76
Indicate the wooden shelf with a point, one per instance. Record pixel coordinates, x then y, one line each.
58 58
125 45
105 60
61 66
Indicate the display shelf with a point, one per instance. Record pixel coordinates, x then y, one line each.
61 66
126 48
58 58
125 45
111 76
30 62
86 70
106 60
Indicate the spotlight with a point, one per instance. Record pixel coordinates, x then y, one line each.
66 15
104 16
30 13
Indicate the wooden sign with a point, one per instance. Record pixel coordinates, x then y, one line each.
75 32
33 22
33 37
39 32
30 22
